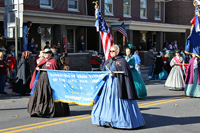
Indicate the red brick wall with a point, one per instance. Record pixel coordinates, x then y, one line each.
32 3
135 10
179 12
58 6
118 8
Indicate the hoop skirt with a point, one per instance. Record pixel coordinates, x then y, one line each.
139 84
110 109
193 89
42 102
175 80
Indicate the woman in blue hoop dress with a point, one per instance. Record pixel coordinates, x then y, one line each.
117 105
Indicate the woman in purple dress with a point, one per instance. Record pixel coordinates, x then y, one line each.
192 80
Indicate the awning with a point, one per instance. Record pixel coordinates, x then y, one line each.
151 26
44 17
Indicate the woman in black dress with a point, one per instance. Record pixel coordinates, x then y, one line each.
41 103
23 78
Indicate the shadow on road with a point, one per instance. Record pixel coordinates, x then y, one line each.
13 109
153 121
149 108
8 97
82 112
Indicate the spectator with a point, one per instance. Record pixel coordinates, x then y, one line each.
159 71
172 55
12 50
31 45
95 60
81 44
140 48
3 71
167 55
166 44
151 62
149 44
35 49
170 47
137 61
26 28
164 50
183 54
4 53
23 79
47 45
175 46
154 48
41 56
55 56
66 68
11 65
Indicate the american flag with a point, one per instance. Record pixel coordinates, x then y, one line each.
64 45
122 30
106 37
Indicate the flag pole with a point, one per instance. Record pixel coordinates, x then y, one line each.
90 71
124 40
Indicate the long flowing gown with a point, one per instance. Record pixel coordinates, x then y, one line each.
192 88
137 79
23 77
42 100
110 109
175 80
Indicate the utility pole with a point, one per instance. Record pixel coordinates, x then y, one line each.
13 19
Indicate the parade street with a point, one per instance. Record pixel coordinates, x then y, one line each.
164 111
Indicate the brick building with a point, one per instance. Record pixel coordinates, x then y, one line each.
144 19
179 12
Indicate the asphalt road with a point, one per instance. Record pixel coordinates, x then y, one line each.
164 111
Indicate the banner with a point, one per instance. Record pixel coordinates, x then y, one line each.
76 86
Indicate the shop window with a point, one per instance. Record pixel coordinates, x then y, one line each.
157 10
108 7
143 9
46 3
73 5
45 36
127 8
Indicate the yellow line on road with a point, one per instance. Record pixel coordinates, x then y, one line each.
161 100
74 118
40 123
48 124
167 101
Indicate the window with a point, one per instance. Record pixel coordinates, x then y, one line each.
73 5
127 8
143 9
157 10
46 3
108 7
